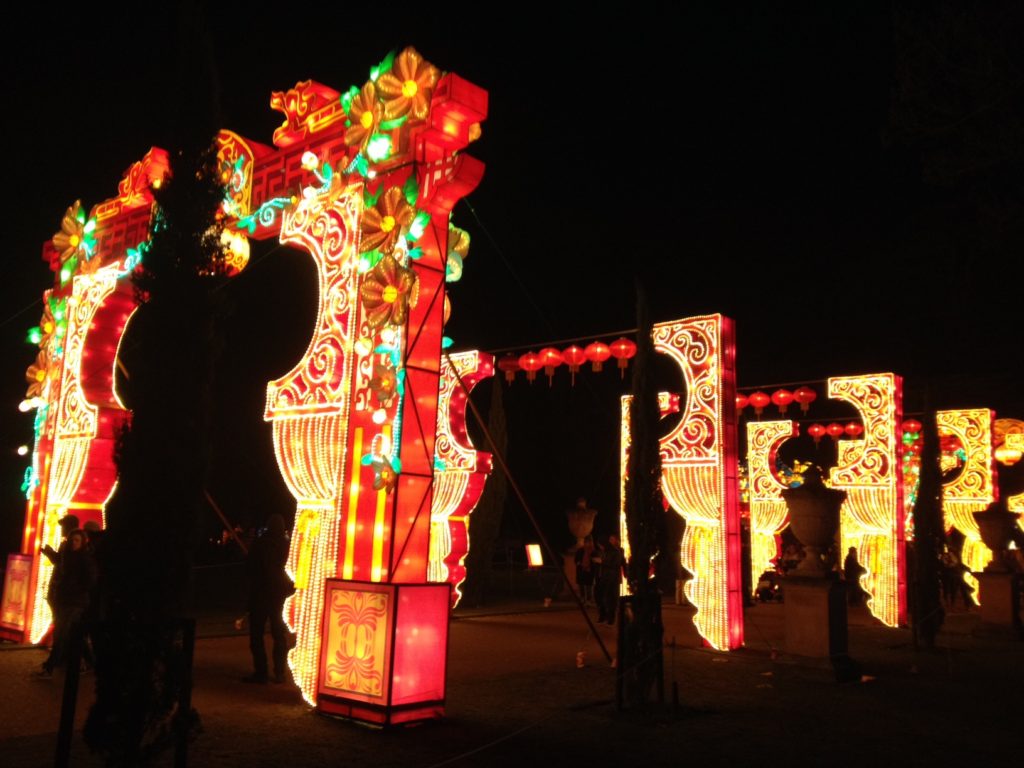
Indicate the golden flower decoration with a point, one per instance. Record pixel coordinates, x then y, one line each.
388 291
384 384
458 240
407 88
365 114
72 233
383 223
37 374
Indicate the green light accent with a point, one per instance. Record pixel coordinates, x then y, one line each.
379 147
439 465
419 226
327 173
65 275
390 125
35 335
384 66
366 460
416 253
453 268
396 464
90 226
411 190
358 165
370 198
346 98
446 342
80 216
372 258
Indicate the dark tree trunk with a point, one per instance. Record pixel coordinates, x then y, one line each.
641 630
152 520
926 603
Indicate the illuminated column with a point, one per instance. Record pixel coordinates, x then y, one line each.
309 408
1015 442
768 511
699 473
973 489
667 403
76 425
868 470
460 471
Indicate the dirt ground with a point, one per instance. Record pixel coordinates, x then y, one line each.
515 695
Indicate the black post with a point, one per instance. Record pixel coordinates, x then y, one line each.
62 757
183 720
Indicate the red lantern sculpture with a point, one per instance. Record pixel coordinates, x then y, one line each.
913 426
508 365
817 431
550 358
782 398
805 396
853 429
574 357
597 352
759 400
741 402
622 350
835 431
530 362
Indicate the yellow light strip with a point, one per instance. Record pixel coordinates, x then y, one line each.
974 488
353 503
695 477
868 470
768 511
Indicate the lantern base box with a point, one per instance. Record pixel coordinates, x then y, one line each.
12 635
998 603
815 617
384 651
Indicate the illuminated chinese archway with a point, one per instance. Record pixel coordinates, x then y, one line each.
868 470
768 511
364 181
973 488
699 463
460 471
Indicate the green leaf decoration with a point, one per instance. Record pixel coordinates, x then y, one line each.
370 198
416 253
411 190
390 125
419 226
34 336
378 147
387 63
366 460
446 342
347 97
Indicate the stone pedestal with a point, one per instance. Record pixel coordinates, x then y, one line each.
998 604
815 617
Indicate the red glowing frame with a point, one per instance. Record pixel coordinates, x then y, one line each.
699 461
461 470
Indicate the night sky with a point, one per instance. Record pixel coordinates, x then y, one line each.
844 182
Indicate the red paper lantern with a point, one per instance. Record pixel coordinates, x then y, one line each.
530 362
759 400
550 358
782 398
805 396
817 431
835 431
509 364
912 425
741 402
597 352
622 350
574 357
853 429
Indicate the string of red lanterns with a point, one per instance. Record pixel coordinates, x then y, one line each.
573 356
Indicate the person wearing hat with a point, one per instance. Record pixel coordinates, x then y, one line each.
71 597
